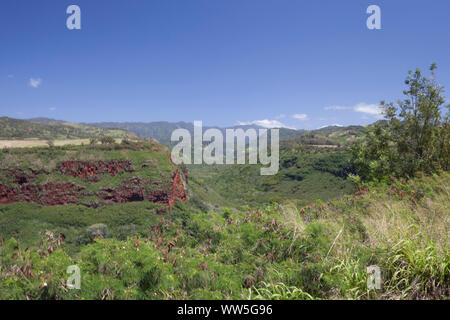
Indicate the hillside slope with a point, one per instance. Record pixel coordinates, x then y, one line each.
85 183
275 252
11 128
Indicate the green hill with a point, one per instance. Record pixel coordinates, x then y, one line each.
67 189
51 130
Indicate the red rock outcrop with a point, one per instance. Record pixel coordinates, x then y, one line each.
19 176
134 189
7 194
178 191
86 169
49 194
130 190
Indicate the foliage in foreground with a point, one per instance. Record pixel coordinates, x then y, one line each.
278 252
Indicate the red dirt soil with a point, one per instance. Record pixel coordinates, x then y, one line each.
50 194
85 169
133 189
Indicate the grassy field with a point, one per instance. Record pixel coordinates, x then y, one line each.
28 143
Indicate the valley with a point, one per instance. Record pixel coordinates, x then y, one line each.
235 151
140 227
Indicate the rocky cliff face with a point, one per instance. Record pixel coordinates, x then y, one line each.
178 190
25 189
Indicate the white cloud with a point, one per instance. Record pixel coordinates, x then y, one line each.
10 76
331 125
300 116
265 124
281 116
35 82
371 109
52 108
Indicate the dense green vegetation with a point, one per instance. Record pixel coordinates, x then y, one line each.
276 251
306 174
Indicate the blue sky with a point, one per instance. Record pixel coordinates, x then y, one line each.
302 64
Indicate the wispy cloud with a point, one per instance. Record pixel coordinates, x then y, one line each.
35 82
281 116
300 116
10 76
52 108
265 124
371 109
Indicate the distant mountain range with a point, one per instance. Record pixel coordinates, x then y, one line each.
162 130
47 128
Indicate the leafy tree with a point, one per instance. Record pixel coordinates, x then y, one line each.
107 140
415 136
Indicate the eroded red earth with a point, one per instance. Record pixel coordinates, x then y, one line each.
86 169
133 189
